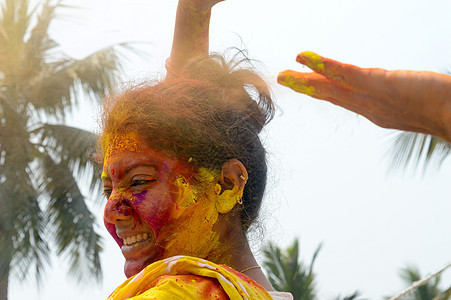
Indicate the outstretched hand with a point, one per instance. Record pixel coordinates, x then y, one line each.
407 100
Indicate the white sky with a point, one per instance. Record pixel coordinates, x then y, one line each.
328 180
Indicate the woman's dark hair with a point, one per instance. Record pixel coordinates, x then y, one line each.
208 113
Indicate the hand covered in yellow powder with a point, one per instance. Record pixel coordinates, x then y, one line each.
407 100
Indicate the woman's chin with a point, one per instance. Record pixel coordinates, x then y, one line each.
140 255
133 267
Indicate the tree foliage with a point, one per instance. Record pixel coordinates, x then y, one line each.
430 290
422 151
41 159
287 273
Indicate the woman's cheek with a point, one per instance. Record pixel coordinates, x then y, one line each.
153 208
112 230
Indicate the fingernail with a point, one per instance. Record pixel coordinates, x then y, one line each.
311 60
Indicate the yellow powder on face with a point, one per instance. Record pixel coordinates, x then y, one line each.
192 232
226 201
115 143
186 197
313 61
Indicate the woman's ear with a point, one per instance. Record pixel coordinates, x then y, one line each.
233 174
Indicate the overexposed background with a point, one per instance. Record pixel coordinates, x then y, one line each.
329 182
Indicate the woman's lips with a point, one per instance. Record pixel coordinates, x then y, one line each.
138 246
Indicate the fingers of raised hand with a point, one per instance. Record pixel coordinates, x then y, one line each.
320 87
317 86
350 76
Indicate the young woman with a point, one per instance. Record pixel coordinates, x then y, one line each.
184 173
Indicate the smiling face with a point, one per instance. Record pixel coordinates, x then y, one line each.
153 210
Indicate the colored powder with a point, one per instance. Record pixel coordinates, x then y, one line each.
192 232
120 143
312 60
228 199
298 84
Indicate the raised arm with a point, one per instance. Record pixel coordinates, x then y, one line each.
191 32
416 101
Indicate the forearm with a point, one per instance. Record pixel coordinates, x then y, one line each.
190 34
446 114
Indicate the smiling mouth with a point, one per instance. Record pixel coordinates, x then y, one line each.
134 239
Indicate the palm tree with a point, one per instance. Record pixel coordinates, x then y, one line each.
41 159
427 289
287 273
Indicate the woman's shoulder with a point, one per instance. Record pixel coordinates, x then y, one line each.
192 278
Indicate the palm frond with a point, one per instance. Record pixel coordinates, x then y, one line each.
287 273
98 72
354 296
23 218
421 288
75 147
71 221
55 88
39 40
422 151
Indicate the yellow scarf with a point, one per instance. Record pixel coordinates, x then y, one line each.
185 277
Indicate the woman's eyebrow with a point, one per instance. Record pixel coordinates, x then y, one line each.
140 164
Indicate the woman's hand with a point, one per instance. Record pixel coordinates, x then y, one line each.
407 100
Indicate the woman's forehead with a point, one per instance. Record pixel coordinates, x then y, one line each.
130 147
125 142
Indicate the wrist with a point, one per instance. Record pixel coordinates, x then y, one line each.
195 7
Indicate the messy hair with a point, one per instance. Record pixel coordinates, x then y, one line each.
211 111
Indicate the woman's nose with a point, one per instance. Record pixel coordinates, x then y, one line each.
118 209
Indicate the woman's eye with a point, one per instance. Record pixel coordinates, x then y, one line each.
141 182
107 193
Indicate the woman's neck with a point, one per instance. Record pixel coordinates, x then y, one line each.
243 261
238 250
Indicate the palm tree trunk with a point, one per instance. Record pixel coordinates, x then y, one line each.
4 285
6 245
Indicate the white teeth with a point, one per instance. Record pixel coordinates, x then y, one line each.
136 238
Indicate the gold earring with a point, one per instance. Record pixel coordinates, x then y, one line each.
240 200
243 177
